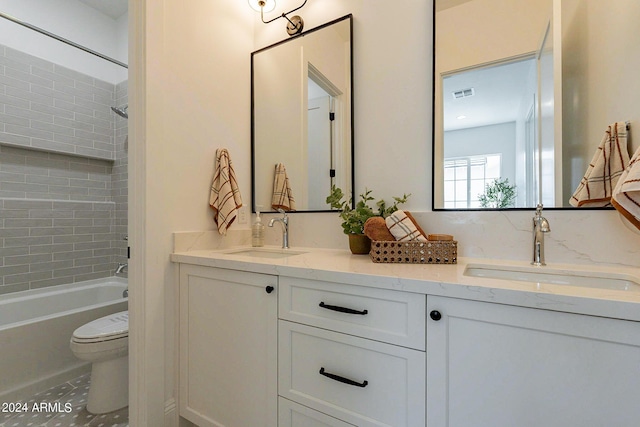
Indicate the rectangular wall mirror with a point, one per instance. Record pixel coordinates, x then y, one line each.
524 91
302 118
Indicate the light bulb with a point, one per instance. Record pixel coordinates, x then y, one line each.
266 5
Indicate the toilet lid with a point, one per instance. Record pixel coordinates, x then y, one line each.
109 327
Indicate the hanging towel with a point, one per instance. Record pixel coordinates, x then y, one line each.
225 196
608 163
282 195
403 228
626 195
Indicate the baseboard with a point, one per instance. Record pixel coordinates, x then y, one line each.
170 413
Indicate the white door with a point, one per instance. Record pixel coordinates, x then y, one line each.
319 162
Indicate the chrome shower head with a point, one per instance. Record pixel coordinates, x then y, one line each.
122 112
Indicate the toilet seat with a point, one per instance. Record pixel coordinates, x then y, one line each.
105 344
112 327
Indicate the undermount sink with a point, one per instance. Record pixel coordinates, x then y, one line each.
589 279
264 252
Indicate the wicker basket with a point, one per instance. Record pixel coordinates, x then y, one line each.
414 252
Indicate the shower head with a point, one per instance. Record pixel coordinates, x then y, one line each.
122 112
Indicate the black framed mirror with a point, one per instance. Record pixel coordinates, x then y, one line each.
524 91
302 119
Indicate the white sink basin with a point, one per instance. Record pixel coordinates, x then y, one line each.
589 279
264 252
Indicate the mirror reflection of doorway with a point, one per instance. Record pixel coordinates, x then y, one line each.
324 142
487 112
531 157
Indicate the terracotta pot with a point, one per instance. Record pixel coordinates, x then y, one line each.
359 244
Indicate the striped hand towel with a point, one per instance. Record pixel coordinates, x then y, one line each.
608 163
403 228
225 196
282 195
626 195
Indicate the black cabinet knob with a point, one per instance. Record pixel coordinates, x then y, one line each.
435 315
269 289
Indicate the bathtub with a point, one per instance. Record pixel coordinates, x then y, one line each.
35 329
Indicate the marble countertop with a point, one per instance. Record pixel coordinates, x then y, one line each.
435 279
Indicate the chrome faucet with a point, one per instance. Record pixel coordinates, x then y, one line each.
121 268
540 226
285 227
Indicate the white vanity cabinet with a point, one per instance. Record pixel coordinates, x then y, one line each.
267 350
351 353
228 347
503 366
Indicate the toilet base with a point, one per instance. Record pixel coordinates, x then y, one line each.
109 388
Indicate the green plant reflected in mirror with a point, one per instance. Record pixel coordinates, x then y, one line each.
499 194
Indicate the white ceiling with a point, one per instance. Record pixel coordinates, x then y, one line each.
499 92
113 8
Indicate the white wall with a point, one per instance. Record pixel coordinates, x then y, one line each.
189 95
598 54
197 95
483 31
491 139
74 21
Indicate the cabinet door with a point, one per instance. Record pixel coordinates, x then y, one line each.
228 347
503 366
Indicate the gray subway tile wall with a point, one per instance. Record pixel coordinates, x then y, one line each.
65 109
63 174
47 243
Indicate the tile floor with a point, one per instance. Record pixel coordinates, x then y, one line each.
63 406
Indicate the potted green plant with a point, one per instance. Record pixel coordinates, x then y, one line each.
498 194
353 218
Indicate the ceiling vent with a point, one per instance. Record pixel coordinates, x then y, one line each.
464 93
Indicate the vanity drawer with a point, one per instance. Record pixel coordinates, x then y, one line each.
380 314
360 381
291 414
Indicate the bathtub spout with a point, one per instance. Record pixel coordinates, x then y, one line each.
121 268
125 293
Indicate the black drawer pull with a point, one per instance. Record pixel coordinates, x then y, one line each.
343 379
342 309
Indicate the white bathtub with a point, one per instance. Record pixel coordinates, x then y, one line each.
35 328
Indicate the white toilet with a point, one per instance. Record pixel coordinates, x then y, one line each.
105 343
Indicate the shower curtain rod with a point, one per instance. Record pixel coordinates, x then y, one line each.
62 39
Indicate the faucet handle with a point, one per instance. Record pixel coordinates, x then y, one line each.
541 221
285 218
544 226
